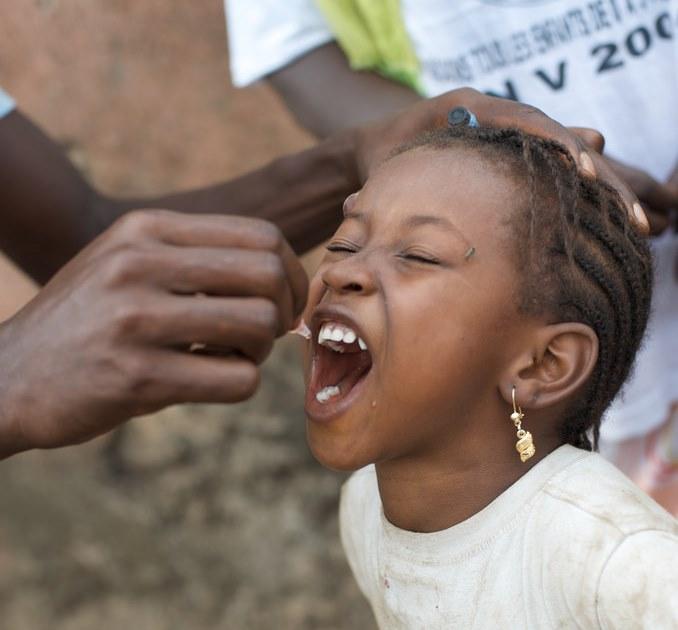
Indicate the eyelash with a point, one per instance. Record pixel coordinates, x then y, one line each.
426 260
348 249
341 247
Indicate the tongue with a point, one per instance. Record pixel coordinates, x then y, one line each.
340 371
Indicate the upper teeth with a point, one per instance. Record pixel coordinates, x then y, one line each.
338 333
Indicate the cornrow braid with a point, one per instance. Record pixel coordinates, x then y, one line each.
584 262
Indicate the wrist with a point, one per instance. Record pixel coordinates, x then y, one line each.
362 149
347 145
12 440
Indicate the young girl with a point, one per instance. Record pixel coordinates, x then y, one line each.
477 311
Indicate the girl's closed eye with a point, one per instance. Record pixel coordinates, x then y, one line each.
419 256
410 255
343 247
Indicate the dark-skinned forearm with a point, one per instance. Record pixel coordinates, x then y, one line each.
48 212
326 95
45 204
301 193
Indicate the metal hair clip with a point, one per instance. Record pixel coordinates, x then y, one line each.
461 116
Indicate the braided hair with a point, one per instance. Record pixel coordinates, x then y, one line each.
580 258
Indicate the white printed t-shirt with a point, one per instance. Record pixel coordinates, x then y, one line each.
607 64
6 103
572 544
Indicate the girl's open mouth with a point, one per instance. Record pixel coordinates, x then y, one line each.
340 363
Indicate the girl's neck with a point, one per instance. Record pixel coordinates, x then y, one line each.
432 494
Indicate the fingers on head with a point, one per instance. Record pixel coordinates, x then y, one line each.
639 217
582 143
592 138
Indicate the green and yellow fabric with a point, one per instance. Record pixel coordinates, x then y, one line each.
373 37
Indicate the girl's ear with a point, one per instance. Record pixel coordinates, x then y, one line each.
557 363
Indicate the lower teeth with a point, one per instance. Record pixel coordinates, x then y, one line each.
326 393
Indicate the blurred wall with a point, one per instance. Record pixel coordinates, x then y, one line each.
200 517
138 93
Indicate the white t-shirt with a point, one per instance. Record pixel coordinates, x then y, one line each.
607 64
572 544
6 103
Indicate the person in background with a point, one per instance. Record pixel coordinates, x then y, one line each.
608 65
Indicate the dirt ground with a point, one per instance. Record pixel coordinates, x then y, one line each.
199 517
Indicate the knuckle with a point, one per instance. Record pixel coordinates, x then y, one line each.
274 271
264 328
467 92
122 266
138 223
270 317
531 110
270 236
118 269
129 319
138 378
266 317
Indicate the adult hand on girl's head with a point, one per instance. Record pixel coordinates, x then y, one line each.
374 143
111 335
657 198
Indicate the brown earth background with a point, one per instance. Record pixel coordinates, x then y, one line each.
198 517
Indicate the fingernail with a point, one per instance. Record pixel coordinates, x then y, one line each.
586 164
302 330
640 216
350 201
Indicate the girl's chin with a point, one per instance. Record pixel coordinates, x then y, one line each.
330 454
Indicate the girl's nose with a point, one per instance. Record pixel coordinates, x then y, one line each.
351 275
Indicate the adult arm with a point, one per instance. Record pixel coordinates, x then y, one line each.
113 334
325 95
110 336
658 198
48 212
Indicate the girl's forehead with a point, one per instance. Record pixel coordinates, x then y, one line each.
449 183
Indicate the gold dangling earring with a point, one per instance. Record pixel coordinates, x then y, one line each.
524 445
